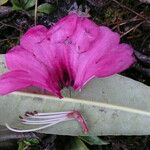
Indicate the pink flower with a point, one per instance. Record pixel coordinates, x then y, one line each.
71 53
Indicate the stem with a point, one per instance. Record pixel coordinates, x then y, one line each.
8 25
133 28
13 136
35 12
123 6
145 59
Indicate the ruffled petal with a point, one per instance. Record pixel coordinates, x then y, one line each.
40 47
63 29
81 41
33 36
46 50
84 35
20 59
106 57
71 53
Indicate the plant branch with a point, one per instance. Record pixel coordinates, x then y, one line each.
123 6
145 59
133 28
13 136
35 12
13 38
126 22
8 25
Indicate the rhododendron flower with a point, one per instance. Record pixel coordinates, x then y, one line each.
70 53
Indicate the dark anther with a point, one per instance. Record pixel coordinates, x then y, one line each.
20 117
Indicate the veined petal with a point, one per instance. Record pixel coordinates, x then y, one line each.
63 29
118 60
18 79
46 51
84 35
106 57
33 36
34 40
71 53
20 59
81 41
13 81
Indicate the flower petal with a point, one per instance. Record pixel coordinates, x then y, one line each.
71 53
33 36
106 57
45 51
63 29
21 59
17 80
81 41
13 81
84 35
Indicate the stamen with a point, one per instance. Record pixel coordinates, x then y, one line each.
26 121
46 116
34 129
77 116
55 113
49 119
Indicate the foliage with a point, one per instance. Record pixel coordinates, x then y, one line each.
46 8
76 144
22 4
27 5
26 143
2 2
93 140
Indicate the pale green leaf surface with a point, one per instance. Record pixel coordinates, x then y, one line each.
17 5
111 106
93 140
45 8
23 4
2 2
76 144
29 4
21 146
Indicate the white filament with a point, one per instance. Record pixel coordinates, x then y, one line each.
46 119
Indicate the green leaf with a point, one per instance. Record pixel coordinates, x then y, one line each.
2 2
17 5
46 8
31 141
28 142
22 145
76 144
29 4
22 4
93 140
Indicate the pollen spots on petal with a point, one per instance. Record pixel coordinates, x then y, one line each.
67 41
